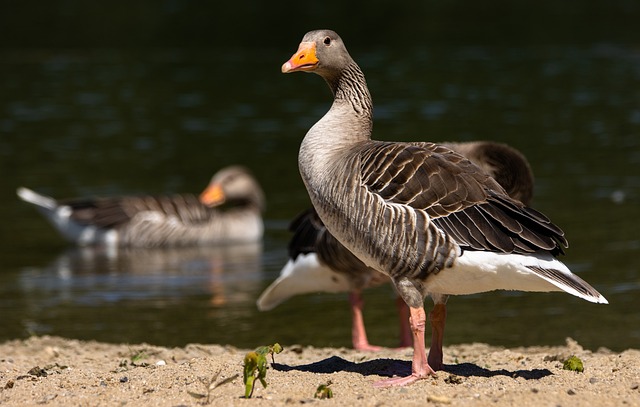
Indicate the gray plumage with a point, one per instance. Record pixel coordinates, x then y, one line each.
430 201
419 212
336 263
503 163
170 220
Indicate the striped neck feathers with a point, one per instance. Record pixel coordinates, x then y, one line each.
351 93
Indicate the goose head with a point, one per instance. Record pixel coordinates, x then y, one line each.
321 52
235 186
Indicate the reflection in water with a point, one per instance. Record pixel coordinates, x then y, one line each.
105 282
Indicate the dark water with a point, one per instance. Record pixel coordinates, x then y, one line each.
76 123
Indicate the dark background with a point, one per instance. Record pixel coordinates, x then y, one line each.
173 23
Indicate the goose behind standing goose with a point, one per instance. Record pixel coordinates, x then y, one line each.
319 263
419 212
229 210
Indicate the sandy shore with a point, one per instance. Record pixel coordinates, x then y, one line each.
56 371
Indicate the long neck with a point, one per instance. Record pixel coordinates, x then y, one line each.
348 122
350 88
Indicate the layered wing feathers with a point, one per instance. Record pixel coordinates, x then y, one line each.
117 211
459 198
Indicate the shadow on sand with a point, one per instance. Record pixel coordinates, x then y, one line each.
394 367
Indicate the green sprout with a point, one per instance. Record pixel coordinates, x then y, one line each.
574 364
273 349
324 391
138 356
255 366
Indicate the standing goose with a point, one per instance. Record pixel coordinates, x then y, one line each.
228 211
421 213
318 262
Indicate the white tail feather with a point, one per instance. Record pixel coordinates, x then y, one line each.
36 199
477 271
303 275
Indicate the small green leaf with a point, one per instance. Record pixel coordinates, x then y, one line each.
250 366
255 366
574 364
324 391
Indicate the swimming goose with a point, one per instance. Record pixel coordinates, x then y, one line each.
319 263
229 210
420 213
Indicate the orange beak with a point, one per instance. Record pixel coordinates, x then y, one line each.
303 60
213 195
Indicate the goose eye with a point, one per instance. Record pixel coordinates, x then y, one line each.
327 41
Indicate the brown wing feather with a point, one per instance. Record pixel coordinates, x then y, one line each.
426 177
459 198
504 163
114 212
100 212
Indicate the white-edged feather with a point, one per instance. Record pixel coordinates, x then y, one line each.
478 271
303 275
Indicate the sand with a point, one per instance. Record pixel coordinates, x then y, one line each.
56 371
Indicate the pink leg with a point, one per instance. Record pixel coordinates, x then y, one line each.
420 368
405 327
358 332
437 317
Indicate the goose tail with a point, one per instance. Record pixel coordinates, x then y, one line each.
36 199
569 283
302 275
488 271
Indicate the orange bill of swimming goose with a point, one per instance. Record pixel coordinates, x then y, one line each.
319 263
421 213
229 210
